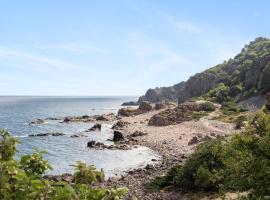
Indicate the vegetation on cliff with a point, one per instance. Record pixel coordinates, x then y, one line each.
247 74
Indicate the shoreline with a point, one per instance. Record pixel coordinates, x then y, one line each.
172 143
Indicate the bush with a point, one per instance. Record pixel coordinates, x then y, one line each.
208 106
240 164
24 180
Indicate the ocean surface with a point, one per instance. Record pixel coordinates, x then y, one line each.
17 113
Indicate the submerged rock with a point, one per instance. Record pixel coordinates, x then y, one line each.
46 134
38 121
96 127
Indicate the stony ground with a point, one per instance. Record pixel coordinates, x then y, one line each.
174 143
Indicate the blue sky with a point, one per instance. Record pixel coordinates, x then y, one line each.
119 47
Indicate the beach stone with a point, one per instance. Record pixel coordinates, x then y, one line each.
193 140
118 136
138 133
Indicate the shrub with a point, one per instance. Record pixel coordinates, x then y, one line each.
240 164
208 106
23 180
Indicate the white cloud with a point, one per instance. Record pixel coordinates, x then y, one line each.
156 57
73 47
182 25
37 61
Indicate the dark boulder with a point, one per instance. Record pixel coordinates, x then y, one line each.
145 106
91 144
117 136
96 127
130 103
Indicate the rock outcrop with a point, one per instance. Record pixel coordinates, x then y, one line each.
183 112
143 108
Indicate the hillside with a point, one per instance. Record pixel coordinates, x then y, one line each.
247 74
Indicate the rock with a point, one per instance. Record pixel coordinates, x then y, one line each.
183 112
130 103
77 136
145 106
206 138
39 135
138 133
126 112
38 121
106 117
158 120
117 136
96 127
159 106
91 144
149 167
120 124
52 118
193 141
57 134
46 134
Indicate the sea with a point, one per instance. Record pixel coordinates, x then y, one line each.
17 113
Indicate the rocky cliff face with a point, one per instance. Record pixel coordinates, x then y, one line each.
248 74
163 93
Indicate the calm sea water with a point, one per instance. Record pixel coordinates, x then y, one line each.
16 113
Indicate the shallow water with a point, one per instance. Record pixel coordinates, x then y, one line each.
16 113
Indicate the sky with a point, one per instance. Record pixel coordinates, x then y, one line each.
119 47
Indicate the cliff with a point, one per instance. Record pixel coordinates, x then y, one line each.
247 74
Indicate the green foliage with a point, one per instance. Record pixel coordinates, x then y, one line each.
7 146
241 163
24 180
219 94
208 106
34 165
87 174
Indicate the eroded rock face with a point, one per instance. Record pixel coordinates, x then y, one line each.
143 108
177 115
118 136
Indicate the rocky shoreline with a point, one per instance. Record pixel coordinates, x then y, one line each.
174 143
